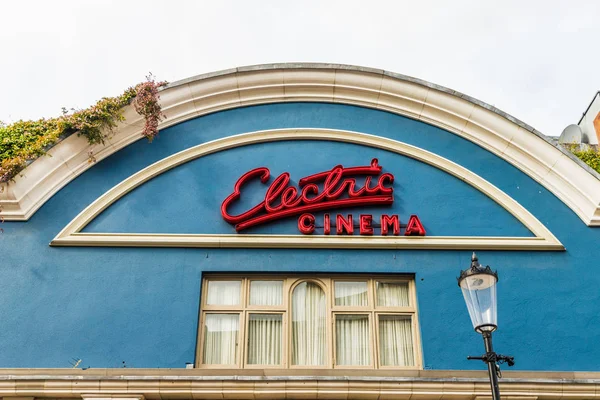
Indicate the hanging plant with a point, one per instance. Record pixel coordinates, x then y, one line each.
146 104
24 141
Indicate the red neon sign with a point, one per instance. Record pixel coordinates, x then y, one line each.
344 225
282 200
338 189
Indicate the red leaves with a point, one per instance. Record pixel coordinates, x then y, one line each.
146 104
24 141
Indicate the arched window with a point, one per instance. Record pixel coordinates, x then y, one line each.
309 322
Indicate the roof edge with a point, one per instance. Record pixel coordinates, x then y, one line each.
500 133
395 75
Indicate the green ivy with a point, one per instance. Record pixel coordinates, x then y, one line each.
590 157
24 141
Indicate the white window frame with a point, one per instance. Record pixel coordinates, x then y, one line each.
327 284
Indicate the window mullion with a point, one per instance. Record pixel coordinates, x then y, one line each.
329 335
333 343
242 339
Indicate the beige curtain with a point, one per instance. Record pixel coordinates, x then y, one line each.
308 325
266 293
392 294
224 293
351 293
395 341
220 338
264 339
352 340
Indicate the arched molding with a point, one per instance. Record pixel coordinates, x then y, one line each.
294 285
72 234
556 169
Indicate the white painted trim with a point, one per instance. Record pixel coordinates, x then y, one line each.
473 120
71 235
305 242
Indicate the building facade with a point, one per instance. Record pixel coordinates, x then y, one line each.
589 123
296 232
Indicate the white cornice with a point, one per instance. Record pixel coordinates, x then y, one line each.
559 171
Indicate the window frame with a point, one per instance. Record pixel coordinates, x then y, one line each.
372 344
327 283
240 338
325 287
370 298
284 297
204 295
245 363
411 300
414 338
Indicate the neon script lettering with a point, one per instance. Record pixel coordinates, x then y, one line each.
337 190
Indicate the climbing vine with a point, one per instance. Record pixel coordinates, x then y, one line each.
591 157
24 141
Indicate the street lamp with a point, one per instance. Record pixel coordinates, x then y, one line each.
478 285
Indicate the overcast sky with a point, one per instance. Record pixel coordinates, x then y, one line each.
536 60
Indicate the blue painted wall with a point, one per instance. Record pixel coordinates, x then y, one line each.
140 306
201 186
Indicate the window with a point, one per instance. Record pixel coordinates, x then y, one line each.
308 322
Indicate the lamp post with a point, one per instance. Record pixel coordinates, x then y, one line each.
478 285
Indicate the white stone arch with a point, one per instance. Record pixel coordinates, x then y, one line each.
73 235
556 169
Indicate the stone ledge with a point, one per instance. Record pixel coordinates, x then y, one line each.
166 384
